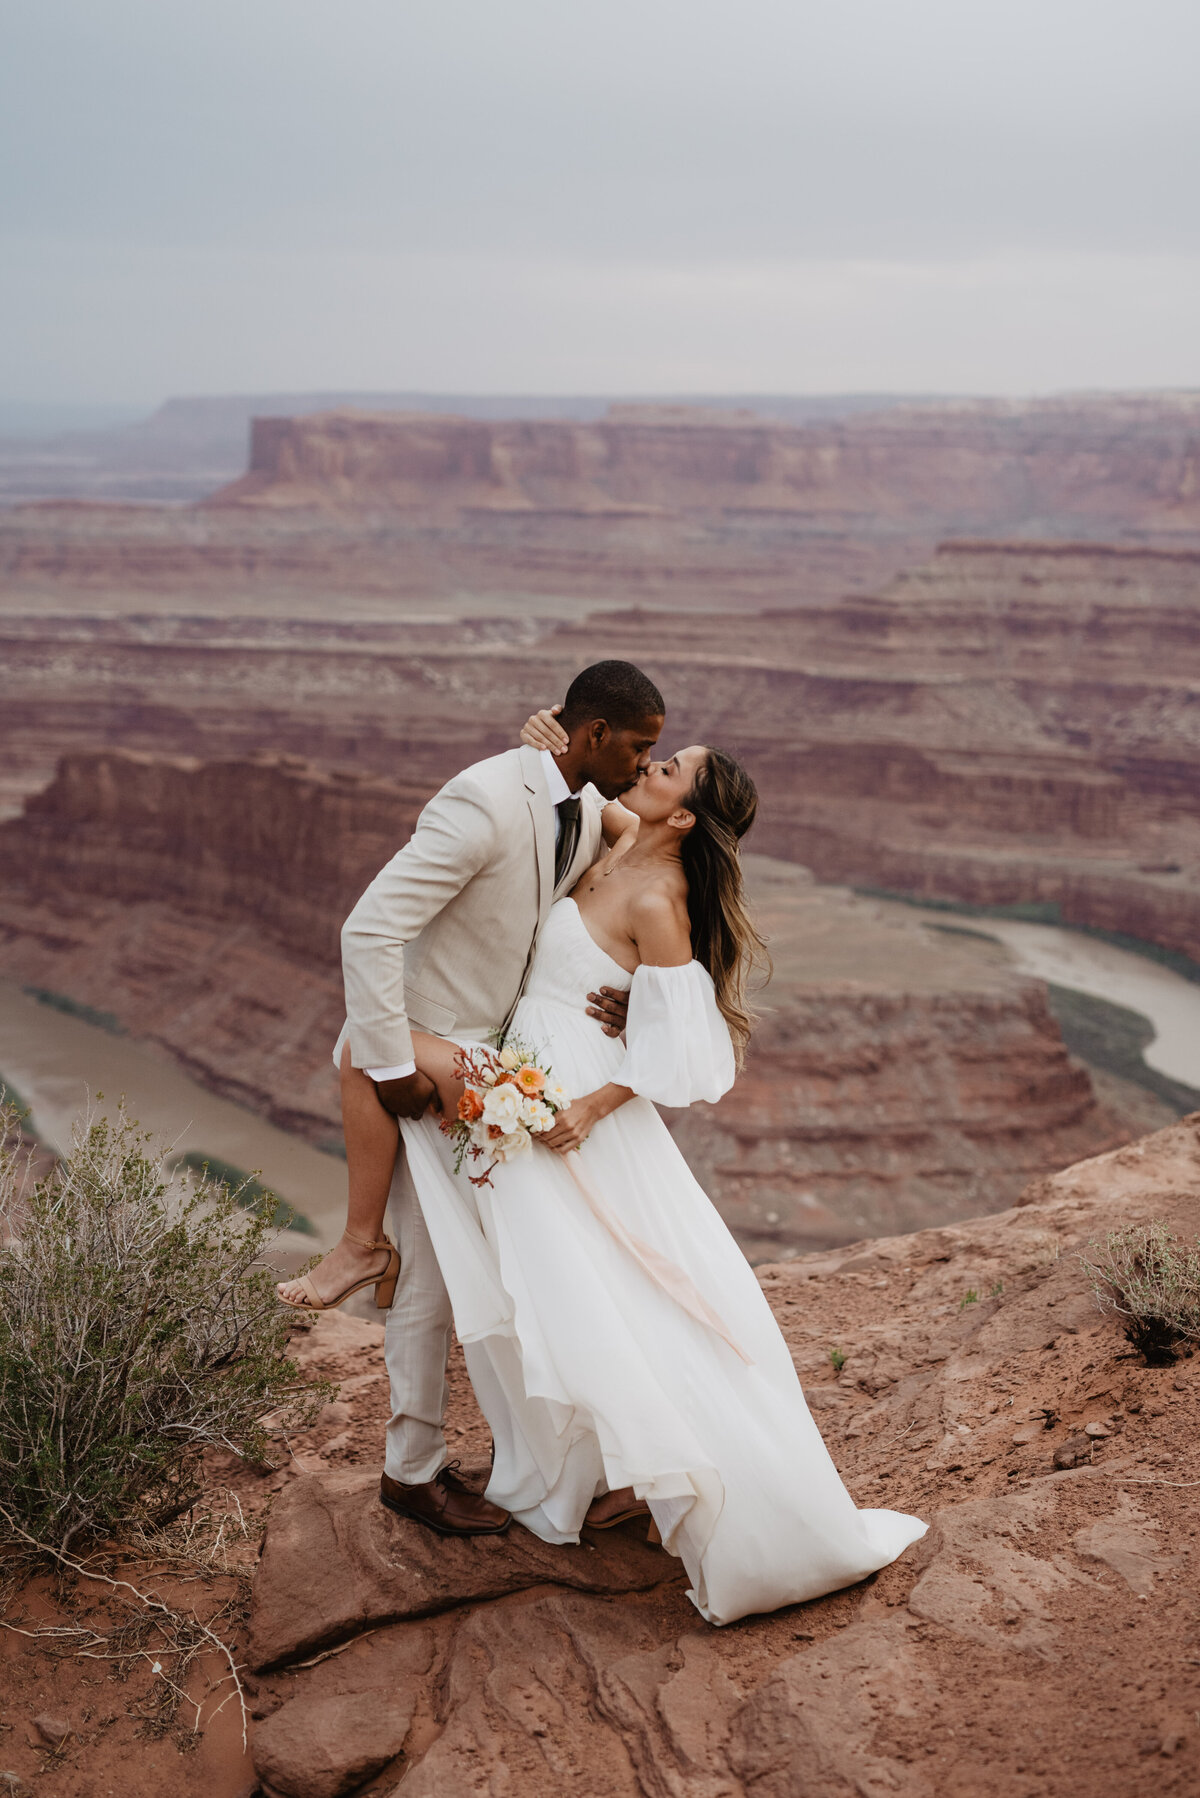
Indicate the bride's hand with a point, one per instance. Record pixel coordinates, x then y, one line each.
573 1126
543 731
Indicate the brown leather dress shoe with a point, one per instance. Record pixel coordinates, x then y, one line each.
612 1508
445 1504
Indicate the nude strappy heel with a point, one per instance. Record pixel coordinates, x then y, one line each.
384 1283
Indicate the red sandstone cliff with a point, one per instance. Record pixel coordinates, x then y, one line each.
894 1081
1008 723
677 506
1099 460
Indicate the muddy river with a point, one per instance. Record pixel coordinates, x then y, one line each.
56 1062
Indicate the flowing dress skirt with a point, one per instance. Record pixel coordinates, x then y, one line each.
593 1376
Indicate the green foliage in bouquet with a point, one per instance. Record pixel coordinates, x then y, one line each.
137 1328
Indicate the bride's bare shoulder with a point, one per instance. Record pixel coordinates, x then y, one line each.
659 923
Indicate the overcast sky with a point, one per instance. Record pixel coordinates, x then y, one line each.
797 196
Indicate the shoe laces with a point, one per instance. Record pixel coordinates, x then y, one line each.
450 1476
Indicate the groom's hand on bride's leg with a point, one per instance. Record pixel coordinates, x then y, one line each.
609 1007
410 1097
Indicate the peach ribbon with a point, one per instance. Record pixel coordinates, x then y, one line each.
672 1280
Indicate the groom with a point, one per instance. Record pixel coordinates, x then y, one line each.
443 939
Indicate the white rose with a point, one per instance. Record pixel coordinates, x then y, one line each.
502 1106
505 1147
510 1059
557 1096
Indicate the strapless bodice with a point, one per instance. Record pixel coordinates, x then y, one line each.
552 1014
568 963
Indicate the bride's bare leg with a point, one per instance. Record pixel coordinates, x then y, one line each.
435 1057
372 1137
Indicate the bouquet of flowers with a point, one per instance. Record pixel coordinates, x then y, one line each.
510 1098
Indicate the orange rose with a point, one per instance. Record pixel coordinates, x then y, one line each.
470 1106
530 1079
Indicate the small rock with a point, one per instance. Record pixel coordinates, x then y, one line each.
1150 1745
324 1747
52 1729
1074 1450
336 1413
1028 1432
1097 1431
1171 1743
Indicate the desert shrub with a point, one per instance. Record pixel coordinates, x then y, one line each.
11 1100
1150 1279
249 1191
136 1330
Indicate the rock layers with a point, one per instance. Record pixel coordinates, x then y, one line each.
1118 462
897 1079
1008 724
667 505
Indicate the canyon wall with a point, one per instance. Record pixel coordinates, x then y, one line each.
192 444
670 505
1007 724
896 1080
1074 463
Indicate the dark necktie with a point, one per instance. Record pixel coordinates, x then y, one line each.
568 836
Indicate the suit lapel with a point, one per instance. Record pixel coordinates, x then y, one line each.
541 813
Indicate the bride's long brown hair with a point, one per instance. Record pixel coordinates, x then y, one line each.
724 800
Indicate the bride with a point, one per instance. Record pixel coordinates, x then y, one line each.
620 1346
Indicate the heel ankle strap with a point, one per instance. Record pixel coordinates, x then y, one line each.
380 1243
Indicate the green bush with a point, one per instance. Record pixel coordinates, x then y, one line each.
1148 1277
136 1330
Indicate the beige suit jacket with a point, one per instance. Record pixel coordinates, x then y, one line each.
443 937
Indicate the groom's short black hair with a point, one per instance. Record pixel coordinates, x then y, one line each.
615 691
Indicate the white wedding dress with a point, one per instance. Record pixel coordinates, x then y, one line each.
635 1347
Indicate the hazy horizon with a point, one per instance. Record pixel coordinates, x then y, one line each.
32 420
660 197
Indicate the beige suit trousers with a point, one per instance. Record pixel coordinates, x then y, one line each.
416 1340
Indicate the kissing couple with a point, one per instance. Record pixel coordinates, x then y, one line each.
619 1344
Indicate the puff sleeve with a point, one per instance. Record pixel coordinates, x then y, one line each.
679 1048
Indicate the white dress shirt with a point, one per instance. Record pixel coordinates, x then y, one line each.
558 790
